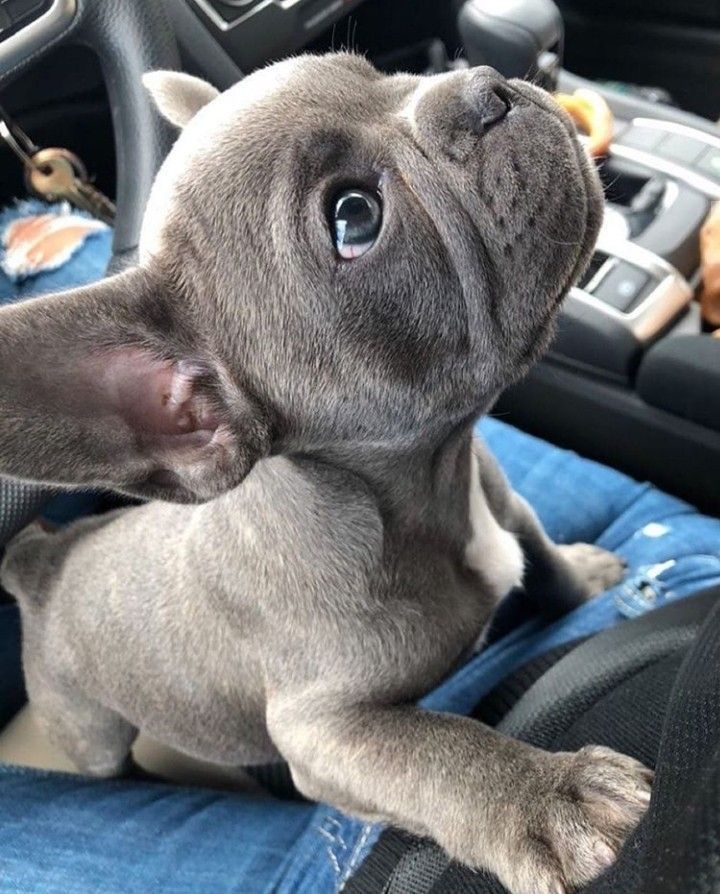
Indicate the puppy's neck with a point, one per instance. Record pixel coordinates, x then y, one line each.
421 483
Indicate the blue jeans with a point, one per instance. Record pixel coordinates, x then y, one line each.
62 834
86 265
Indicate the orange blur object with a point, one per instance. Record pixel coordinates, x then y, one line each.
592 116
44 241
710 267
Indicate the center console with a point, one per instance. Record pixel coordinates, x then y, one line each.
640 282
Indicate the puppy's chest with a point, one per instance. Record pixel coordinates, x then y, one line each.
457 607
492 553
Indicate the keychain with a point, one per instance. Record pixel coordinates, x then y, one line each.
55 175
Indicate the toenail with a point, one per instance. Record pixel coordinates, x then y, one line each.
604 853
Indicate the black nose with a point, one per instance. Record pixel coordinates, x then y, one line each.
488 97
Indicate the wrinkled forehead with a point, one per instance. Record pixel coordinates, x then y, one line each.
300 93
311 85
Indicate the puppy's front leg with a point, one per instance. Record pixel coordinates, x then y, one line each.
558 577
543 823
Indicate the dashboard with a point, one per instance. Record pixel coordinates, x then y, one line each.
250 32
253 32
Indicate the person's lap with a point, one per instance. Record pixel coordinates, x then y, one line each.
64 834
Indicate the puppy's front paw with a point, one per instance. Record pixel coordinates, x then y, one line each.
565 821
596 568
598 798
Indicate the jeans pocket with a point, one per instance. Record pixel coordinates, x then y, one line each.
651 586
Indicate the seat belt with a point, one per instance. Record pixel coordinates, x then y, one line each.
20 503
596 667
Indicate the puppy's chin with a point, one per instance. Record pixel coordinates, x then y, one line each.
595 204
538 345
587 185
547 325
539 338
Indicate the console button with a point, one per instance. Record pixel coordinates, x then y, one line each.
645 138
681 149
622 286
709 163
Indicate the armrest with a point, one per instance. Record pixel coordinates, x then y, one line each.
682 376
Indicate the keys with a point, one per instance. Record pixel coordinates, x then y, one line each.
58 175
55 175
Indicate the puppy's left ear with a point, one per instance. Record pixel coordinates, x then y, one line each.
178 96
115 385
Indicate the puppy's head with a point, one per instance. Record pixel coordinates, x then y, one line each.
329 255
371 251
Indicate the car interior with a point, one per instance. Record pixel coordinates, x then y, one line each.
631 380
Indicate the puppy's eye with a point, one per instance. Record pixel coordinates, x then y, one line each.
356 219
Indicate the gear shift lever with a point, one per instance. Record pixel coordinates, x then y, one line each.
519 38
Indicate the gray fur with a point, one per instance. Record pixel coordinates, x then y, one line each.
326 420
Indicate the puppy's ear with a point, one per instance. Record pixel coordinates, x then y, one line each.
111 386
178 96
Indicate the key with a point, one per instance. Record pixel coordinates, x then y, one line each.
58 174
55 174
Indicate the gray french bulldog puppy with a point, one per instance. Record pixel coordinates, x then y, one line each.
340 271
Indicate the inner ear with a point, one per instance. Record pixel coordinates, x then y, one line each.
198 437
166 402
110 386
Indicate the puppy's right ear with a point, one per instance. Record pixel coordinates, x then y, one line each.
178 96
114 385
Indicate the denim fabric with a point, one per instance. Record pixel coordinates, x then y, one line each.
86 265
62 834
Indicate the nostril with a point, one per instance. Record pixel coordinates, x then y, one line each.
488 98
492 107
